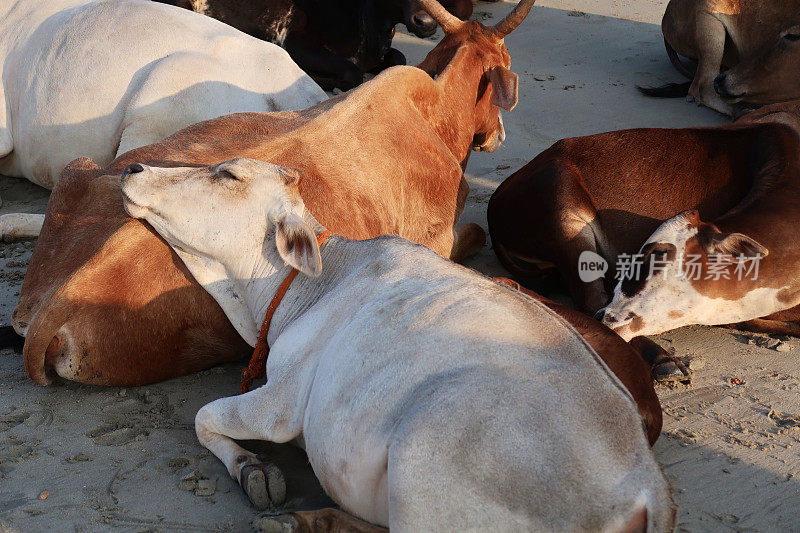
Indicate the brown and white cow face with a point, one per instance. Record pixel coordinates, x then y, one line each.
689 272
769 76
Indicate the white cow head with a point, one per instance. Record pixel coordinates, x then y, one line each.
231 223
689 272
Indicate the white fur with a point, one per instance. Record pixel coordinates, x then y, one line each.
427 396
101 78
20 226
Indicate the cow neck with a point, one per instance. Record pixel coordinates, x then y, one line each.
454 117
294 296
258 362
766 214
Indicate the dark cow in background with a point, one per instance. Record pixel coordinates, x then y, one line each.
335 41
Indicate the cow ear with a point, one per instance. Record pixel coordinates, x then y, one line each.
733 245
692 216
297 244
505 86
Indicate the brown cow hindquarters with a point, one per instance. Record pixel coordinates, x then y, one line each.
110 319
561 225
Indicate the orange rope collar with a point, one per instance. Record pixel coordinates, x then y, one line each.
257 367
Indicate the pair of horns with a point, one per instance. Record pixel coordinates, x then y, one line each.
450 23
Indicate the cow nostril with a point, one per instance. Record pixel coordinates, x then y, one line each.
134 168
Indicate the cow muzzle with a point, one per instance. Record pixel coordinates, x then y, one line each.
489 142
624 327
132 180
421 24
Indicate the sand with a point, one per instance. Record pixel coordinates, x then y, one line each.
81 458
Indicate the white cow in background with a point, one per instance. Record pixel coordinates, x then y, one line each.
97 79
428 397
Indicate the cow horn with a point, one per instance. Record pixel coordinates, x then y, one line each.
514 19
449 22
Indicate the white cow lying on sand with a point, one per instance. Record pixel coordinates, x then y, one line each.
426 396
98 79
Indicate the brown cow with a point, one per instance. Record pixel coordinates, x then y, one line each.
387 157
607 193
746 51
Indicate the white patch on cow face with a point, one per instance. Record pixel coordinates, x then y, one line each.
647 310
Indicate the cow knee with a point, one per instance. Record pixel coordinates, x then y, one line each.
394 57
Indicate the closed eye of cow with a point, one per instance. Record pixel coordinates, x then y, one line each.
651 261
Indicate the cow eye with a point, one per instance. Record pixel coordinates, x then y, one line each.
792 37
660 251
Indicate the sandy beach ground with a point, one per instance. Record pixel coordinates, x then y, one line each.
82 458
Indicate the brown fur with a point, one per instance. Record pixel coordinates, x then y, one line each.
743 39
607 193
387 157
323 520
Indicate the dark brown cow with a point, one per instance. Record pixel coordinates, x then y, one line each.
387 157
608 193
335 41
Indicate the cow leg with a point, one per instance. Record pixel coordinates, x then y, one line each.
770 327
6 142
578 236
257 415
557 228
467 240
392 58
710 36
326 68
321 520
666 367
16 226
786 322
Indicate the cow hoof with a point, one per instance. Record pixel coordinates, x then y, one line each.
264 485
672 371
278 524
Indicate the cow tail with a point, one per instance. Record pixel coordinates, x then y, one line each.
671 90
41 339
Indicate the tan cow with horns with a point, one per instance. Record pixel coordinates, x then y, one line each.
117 308
747 52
